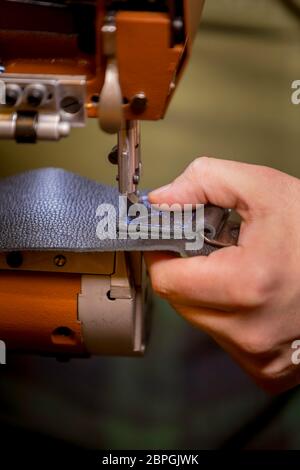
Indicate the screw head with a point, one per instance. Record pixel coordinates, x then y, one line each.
70 104
113 155
35 98
35 95
139 103
178 24
12 95
60 261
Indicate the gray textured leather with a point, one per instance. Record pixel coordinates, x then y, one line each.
52 209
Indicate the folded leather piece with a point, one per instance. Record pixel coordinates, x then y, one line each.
52 209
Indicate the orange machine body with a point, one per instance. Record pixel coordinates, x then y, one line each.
39 312
147 59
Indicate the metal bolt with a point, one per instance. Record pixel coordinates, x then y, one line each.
11 97
178 24
113 155
70 104
138 103
35 95
35 98
12 94
178 31
60 261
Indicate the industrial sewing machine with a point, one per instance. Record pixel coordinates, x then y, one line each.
118 61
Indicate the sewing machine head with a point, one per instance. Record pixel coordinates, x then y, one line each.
116 60
62 61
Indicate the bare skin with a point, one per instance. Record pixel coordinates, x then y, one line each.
246 297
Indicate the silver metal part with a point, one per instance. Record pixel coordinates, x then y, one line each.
2 91
41 107
111 99
109 326
7 126
215 219
112 325
129 159
121 287
13 93
50 127
37 92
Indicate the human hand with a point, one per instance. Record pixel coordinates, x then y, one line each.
247 297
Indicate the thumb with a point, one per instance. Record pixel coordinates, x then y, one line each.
224 183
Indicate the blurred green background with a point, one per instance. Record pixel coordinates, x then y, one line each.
234 102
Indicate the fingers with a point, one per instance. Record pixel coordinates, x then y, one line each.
243 295
217 281
223 183
234 277
270 367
